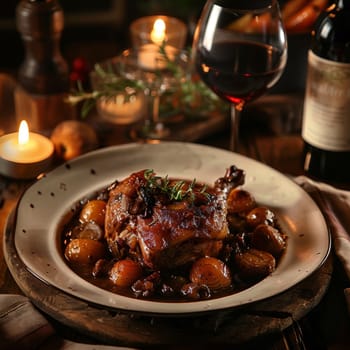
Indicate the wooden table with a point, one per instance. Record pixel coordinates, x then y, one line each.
271 134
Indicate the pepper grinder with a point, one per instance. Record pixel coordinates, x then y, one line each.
43 77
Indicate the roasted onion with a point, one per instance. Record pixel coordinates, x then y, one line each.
240 201
253 264
260 215
94 210
84 251
125 272
269 239
211 272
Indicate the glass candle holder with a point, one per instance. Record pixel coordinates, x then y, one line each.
119 109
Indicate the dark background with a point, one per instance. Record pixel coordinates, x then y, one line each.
94 30
99 29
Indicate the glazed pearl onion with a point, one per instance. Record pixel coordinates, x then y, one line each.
260 215
125 272
239 201
211 272
94 210
84 251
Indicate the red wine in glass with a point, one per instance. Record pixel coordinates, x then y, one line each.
239 71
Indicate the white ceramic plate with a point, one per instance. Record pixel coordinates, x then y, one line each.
45 206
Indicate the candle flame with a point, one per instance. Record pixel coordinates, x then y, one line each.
158 32
23 133
159 25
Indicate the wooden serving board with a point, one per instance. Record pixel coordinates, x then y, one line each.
227 327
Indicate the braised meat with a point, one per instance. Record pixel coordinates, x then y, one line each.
166 223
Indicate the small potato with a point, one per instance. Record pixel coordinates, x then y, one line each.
211 272
253 264
269 239
125 272
84 251
260 215
95 211
240 201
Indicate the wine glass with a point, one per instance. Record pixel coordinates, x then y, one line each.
240 51
153 69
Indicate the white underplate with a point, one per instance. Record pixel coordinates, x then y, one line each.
47 204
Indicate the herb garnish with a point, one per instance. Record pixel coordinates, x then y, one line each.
176 191
193 94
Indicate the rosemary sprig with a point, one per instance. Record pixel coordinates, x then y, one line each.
176 191
112 86
193 95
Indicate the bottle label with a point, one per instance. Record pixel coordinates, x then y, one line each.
326 118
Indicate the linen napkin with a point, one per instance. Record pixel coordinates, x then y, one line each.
335 206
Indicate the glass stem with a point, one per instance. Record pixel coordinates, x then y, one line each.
153 127
155 108
235 121
152 110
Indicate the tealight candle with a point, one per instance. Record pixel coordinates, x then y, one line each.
122 112
150 58
150 32
24 155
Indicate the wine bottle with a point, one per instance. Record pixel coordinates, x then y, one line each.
326 116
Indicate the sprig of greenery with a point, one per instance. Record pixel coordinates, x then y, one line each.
113 85
176 191
193 94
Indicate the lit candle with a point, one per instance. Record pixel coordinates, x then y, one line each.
24 155
122 112
158 29
150 32
150 57
158 35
